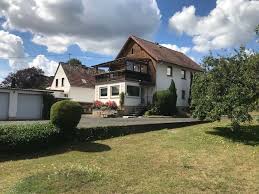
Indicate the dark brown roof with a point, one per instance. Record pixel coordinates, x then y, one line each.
79 75
161 53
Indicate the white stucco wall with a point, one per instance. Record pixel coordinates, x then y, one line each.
109 96
129 100
81 94
59 75
163 81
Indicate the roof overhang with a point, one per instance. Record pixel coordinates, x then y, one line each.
122 60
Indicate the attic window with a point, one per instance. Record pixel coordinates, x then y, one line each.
83 80
132 51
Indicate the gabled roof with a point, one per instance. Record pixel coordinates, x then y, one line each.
161 53
79 75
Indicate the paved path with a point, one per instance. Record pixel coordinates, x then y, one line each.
89 121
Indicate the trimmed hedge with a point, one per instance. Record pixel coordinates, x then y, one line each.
66 115
27 137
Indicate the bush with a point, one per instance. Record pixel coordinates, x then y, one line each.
164 102
162 99
48 101
66 115
110 105
27 137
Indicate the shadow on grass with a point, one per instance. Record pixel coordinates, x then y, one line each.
58 149
248 135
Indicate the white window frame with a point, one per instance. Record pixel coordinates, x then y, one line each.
171 69
111 90
100 94
133 96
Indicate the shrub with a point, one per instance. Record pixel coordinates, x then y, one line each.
48 101
66 115
164 102
27 137
162 99
97 104
111 105
122 99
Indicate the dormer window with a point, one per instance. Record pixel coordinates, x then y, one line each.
62 82
56 82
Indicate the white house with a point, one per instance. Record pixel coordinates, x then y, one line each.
141 68
75 82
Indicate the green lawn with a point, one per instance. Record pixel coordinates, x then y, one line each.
202 158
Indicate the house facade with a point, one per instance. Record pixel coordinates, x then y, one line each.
75 82
140 69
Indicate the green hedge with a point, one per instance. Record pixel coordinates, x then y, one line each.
66 115
28 137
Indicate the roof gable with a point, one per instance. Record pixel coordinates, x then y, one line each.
79 75
160 53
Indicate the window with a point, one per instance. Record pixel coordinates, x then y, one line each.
169 71
66 95
183 73
183 94
137 67
115 90
62 81
130 66
143 68
132 51
133 91
56 82
103 92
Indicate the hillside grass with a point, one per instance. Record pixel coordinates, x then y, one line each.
202 158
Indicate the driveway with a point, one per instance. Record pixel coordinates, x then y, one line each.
87 121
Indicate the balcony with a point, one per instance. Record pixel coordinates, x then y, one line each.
122 75
125 69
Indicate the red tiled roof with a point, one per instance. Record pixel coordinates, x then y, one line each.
161 53
79 75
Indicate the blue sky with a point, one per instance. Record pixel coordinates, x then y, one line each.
47 36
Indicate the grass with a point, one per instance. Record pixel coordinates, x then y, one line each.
202 158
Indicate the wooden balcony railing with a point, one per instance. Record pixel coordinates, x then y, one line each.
122 75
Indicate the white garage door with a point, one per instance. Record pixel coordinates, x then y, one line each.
4 105
29 106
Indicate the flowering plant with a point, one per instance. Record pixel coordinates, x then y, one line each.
104 106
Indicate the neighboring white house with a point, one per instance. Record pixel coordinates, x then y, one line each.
21 104
142 68
75 82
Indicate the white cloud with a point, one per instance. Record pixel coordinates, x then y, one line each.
11 48
48 66
94 25
176 48
229 24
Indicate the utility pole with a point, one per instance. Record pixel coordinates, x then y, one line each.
69 55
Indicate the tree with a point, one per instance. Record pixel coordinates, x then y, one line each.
164 102
32 78
228 86
74 61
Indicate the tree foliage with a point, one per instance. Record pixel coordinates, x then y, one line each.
32 78
164 102
228 86
74 61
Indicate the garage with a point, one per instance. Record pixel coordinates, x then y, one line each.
4 105
29 106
